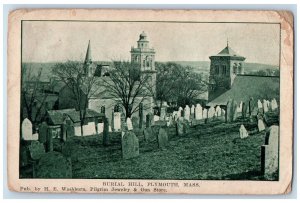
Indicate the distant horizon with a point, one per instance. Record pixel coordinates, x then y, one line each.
125 60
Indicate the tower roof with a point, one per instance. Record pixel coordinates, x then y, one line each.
88 56
227 51
143 36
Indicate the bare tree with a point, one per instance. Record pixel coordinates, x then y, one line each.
178 83
33 95
81 86
128 85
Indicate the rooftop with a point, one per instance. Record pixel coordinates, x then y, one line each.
246 86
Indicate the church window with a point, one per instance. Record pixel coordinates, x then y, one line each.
144 63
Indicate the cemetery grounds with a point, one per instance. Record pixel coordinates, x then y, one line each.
208 151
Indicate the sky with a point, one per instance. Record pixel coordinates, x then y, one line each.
58 41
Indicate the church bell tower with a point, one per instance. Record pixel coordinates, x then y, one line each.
145 57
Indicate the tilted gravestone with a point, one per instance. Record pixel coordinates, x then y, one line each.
36 150
27 129
243 132
53 165
149 135
269 152
43 131
261 125
105 132
162 138
130 145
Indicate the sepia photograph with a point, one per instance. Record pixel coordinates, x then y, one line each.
149 100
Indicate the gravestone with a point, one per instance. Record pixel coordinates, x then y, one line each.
259 106
105 132
243 132
112 121
204 113
234 110
244 110
117 121
43 130
27 129
36 150
141 115
274 105
218 111
70 129
130 145
187 112
229 113
129 124
180 127
180 109
198 112
269 152
162 113
149 135
162 138
193 112
211 112
265 106
239 107
261 125
53 165
186 126
149 120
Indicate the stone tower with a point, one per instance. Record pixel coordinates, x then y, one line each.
223 69
88 64
145 57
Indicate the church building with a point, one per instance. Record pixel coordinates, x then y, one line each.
228 80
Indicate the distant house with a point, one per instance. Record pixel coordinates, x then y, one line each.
56 118
227 81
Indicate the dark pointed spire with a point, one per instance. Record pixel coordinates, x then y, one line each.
227 41
88 56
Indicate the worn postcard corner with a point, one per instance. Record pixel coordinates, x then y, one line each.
152 102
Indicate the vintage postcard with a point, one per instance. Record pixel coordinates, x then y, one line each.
150 101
